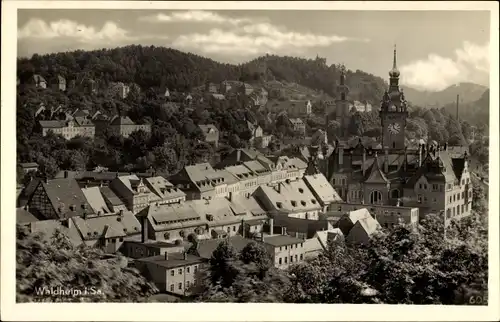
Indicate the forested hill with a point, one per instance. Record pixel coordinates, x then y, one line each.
153 67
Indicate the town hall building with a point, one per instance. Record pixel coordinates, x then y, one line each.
431 177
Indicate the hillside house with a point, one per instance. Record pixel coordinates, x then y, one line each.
38 81
298 126
119 89
211 133
124 126
59 83
79 126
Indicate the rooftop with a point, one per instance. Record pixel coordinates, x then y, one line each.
282 240
174 260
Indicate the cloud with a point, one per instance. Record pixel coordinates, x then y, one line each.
194 16
39 36
470 64
256 38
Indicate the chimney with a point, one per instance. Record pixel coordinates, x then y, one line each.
185 255
341 155
271 226
166 255
363 170
386 160
230 196
121 212
145 229
262 236
283 231
243 228
238 155
27 207
65 174
445 146
46 180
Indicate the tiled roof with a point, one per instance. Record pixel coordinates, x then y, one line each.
23 216
52 124
241 172
375 174
49 227
219 209
364 218
173 216
96 200
290 197
174 260
110 196
29 165
65 193
163 188
122 120
250 205
322 189
298 225
107 226
206 248
282 240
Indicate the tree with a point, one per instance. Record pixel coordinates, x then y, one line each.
45 262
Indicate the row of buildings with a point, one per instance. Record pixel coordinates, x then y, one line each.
173 225
85 84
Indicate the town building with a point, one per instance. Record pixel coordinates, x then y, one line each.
119 89
291 198
173 273
429 177
124 126
29 167
298 126
210 134
58 199
59 83
70 128
211 88
256 131
38 81
358 226
285 250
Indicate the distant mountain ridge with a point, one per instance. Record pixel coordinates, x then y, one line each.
469 92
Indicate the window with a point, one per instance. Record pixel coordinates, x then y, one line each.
458 210
291 259
286 247
463 207
395 194
419 197
187 284
376 197
301 257
434 200
448 213
172 273
296 257
280 248
453 211
113 240
187 269
463 194
180 286
450 199
172 287
425 186
234 228
435 187
228 229
301 244
286 259
195 268
467 207
121 239
279 261
454 197
419 186
180 271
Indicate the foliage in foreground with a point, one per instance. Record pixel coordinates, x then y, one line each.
401 266
47 266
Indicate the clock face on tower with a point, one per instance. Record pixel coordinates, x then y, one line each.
394 128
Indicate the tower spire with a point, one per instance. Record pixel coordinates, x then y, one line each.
394 64
394 73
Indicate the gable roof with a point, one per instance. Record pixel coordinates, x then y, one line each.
122 120
110 196
290 196
96 200
107 226
363 218
23 216
163 188
52 124
375 174
64 193
321 188
172 216
282 240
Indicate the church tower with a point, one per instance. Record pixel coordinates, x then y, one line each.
342 104
393 112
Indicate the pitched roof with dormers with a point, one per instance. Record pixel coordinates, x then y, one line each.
375 173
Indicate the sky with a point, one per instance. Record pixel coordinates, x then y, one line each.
436 49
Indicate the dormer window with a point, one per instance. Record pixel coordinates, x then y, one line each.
294 203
